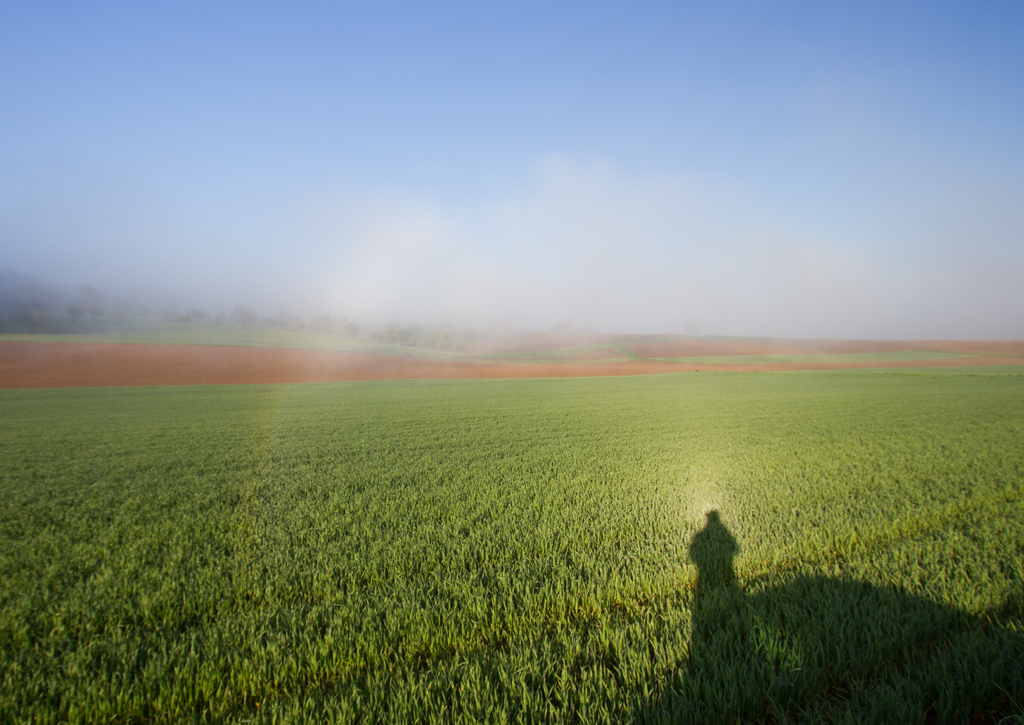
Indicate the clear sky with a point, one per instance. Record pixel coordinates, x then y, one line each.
739 168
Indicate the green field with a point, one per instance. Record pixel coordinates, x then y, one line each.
516 551
897 356
171 333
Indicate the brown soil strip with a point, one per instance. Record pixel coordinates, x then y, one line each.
68 365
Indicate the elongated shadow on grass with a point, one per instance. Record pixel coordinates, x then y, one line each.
817 648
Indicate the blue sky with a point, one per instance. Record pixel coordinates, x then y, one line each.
804 169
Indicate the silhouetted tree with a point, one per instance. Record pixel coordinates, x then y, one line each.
92 300
244 315
25 304
325 324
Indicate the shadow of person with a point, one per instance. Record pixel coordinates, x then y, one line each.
834 649
712 550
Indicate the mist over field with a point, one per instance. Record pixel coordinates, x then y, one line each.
798 172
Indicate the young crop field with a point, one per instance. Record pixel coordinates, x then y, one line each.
690 547
848 358
172 333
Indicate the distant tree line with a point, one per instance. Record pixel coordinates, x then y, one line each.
28 306
339 325
325 324
416 336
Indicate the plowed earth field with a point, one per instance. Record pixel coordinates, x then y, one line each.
69 364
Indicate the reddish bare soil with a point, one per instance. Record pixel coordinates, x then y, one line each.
66 365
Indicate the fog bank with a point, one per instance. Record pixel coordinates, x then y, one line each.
583 242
